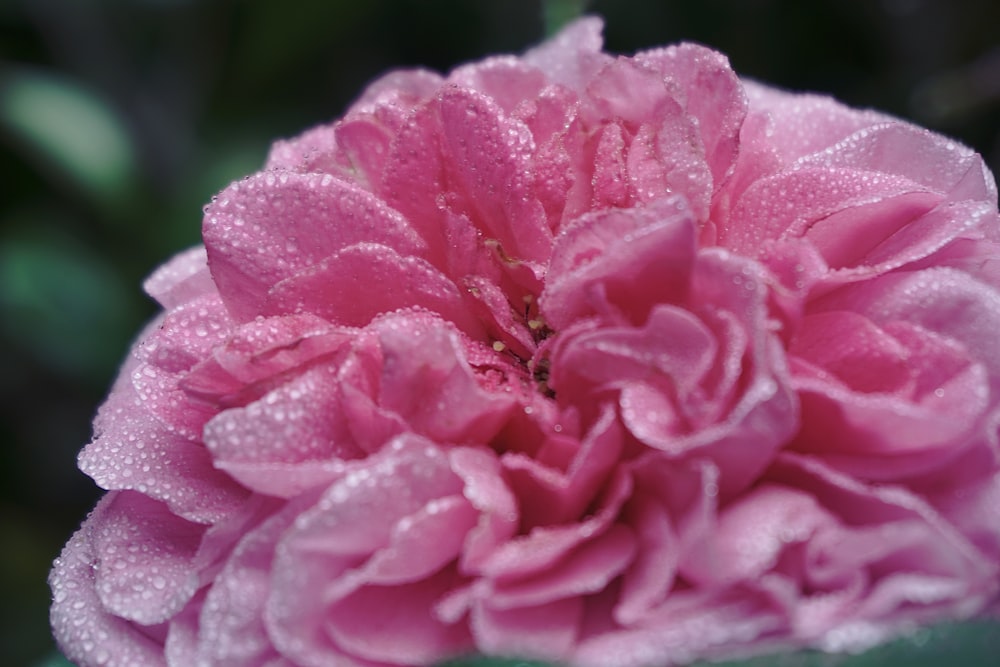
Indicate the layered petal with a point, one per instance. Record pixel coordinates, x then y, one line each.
605 360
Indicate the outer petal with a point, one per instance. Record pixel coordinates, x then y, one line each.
935 162
829 207
909 553
805 124
143 558
86 632
276 224
572 55
182 279
131 451
290 440
358 537
941 300
690 625
506 79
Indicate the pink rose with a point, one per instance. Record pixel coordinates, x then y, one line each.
606 360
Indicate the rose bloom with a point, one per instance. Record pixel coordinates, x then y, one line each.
603 360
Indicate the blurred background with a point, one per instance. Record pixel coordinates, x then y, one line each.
120 118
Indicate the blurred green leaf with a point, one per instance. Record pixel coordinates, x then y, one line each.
24 563
65 305
54 661
557 13
71 127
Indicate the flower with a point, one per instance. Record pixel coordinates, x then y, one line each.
606 360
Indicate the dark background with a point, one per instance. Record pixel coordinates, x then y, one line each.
120 118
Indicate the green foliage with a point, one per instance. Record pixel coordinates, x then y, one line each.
70 127
54 661
558 13
64 305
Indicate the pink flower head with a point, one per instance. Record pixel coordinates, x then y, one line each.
604 360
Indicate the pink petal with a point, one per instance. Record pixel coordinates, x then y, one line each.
181 644
690 625
276 224
355 519
974 507
261 354
713 95
182 279
186 335
855 351
399 87
650 576
550 495
933 161
558 165
296 429
504 324
132 451
487 491
505 79
534 553
546 631
587 569
598 261
751 534
421 351
940 300
610 180
672 509
943 227
827 206
232 631
903 401
354 285
86 632
143 558
666 157
805 124
572 55
488 160
293 154
941 549
353 150
394 624
633 92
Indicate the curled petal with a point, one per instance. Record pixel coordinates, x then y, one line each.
182 279
248 253
359 282
89 633
598 261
